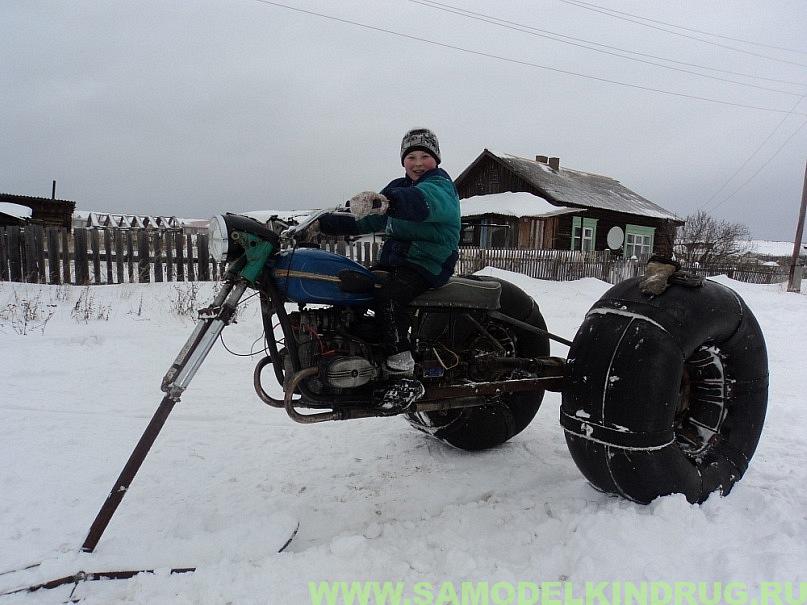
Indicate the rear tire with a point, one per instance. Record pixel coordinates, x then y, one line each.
666 394
483 427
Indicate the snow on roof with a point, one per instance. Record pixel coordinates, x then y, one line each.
511 204
566 186
15 210
772 248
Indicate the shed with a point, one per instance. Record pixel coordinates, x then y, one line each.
45 211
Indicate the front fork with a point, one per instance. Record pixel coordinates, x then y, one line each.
212 321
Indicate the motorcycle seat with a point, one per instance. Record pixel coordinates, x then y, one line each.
462 292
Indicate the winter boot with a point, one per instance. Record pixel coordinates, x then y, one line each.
400 364
400 396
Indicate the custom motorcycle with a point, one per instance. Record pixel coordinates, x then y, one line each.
660 394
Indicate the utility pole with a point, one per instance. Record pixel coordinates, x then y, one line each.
794 282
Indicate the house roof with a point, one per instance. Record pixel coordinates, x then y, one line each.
520 204
15 210
569 187
25 200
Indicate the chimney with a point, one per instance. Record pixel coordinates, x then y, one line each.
554 163
541 159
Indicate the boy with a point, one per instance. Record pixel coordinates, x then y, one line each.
420 215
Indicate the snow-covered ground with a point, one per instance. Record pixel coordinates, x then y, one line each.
375 499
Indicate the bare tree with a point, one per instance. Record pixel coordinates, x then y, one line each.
706 240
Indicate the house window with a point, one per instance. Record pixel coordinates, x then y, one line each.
584 233
638 241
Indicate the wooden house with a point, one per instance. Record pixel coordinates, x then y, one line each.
45 211
589 208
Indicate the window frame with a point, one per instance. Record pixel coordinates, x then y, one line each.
580 225
648 236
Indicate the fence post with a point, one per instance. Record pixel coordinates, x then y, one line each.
39 238
29 258
189 240
66 256
81 258
96 256
3 255
53 256
158 254
204 257
180 258
130 256
169 256
14 253
118 237
143 257
108 250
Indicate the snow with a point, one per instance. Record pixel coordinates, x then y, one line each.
518 204
15 210
375 499
770 248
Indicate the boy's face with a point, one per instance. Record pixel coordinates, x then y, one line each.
417 162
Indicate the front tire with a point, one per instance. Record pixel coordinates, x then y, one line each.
504 417
666 394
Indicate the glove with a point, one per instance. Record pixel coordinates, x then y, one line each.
657 275
368 202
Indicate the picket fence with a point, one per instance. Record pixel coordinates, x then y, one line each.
109 255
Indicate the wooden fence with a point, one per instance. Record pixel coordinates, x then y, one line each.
565 265
110 255
555 265
114 256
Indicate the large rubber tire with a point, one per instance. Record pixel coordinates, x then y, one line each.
483 427
666 394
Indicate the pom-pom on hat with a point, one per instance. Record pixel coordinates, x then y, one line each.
423 139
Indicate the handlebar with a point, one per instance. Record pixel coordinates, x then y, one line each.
292 232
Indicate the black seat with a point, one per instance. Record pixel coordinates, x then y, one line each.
462 292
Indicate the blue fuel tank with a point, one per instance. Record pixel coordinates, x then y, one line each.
310 275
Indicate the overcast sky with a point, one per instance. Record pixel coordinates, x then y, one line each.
193 107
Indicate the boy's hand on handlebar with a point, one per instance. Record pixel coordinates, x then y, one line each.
368 202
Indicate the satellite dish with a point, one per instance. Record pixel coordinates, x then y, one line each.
615 238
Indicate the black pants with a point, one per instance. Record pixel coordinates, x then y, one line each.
402 286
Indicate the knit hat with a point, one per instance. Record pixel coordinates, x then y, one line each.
423 139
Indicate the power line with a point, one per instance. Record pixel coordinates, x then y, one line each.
697 31
604 11
758 170
633 52
750 157
581 43
518 61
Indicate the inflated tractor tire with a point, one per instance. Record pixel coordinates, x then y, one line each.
483 427
666 394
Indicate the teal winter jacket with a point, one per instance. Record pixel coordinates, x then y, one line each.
422 225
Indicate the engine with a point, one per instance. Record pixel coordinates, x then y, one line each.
341 342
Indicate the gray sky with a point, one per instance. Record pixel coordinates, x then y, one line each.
193 107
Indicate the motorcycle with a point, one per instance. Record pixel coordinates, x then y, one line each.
660 394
